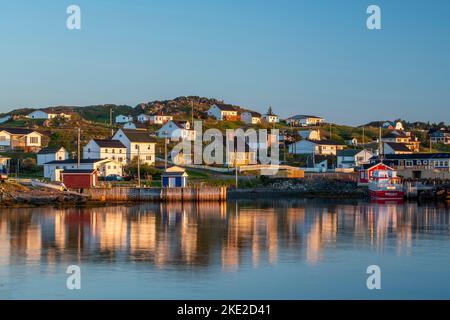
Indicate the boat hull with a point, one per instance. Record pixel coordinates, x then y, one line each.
387 195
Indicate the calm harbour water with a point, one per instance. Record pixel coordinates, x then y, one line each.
281 249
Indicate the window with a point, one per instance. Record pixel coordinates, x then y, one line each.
120 150
113 150
106 150
446 164
419 162
120 159
149 158
34 140
425 162
136 146
2 138
409 163
89 150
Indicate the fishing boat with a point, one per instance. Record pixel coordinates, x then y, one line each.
385 185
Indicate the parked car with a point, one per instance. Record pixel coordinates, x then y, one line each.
113 177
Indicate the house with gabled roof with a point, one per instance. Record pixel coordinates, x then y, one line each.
51 154
19 138
223 112
396 148
304 120
138 143
251 117
177 130
49 113
352 158
105 167
316 147
106 149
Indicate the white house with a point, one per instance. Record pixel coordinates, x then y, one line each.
304 120
271 118
316 147
351 142
310 134
106 149
393 125
143 118
179 130
138 143
48 114
106 167
123 119
18 138
353 158
251 117
160 119
396 148
135 126
4 119
223 112
51 154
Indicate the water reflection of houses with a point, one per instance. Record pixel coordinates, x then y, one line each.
203 234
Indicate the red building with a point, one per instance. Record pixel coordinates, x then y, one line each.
366 172
80 179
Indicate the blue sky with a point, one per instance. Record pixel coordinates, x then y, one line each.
300 57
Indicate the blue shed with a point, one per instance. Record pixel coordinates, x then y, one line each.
174 177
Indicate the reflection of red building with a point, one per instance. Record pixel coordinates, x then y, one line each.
366 172
80 179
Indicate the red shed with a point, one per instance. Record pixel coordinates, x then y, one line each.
366 172
80 179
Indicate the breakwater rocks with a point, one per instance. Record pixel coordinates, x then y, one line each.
320 188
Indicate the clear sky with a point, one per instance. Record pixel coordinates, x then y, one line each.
300 57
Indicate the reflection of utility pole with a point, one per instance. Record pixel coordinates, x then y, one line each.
79 148
431 146
139 166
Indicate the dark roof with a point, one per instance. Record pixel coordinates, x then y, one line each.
348 152
74 161
138 136
180 123
400 147
20 131
109 143
49 150
302 116
71 171
326 142
418 156
253 113
225 107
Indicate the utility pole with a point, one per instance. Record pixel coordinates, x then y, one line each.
192 108
331 137
236 169
165 150
431 146
139 166
110 120
363 138
79 148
